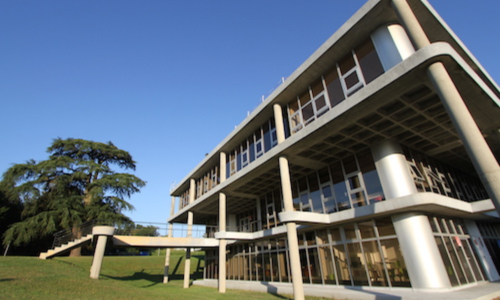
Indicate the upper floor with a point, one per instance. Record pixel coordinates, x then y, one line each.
366 83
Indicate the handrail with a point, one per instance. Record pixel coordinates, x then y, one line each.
76 232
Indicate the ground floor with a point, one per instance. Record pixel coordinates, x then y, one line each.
484 290
371 253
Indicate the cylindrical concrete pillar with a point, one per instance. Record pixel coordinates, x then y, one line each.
392 169
222 166
170 234
411 24
222 243
278 120
293 244
422 257
187 268
478 150
102 233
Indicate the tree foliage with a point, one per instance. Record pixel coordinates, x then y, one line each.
75 184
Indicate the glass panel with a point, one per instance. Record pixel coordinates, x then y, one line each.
310 238
358 264
306 272
396 267
369 61
335 233
317 88
447 262
308 113
314 265
328 200
350 164
341 265
366 230
351 80
335 92
304 98
283 265
322 237
385 227
350 233
472 258
346 64
324 176
358 199
275 267
304 199
463 259
375 264
339 187
326 260
267 267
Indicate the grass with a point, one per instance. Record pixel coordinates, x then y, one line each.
122 278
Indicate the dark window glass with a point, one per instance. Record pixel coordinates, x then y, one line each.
369 61
346 64
334 88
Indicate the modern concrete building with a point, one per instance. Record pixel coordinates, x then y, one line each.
375 164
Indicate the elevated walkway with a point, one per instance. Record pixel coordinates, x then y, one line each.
163 242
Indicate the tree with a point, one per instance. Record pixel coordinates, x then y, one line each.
76 184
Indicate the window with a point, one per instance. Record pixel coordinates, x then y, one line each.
369 61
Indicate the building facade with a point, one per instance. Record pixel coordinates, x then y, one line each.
374 164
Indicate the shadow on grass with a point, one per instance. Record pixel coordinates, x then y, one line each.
158 278
7 279
142 275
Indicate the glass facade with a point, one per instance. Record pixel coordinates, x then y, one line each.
434 176
358 254
454 244
348 183
491 237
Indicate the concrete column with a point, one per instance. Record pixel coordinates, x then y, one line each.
187 262
483 254
187 268
222 167
293 244
478 150
102 233
410 23
222 243
422 257
392 169
278 119
170 234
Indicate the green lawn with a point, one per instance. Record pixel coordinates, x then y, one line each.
122 277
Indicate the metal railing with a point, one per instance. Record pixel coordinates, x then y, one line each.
78 231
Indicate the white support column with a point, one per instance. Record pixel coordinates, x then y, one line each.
278 120
478 150
483 254
422 257
291 227
392 169
410 23
293 243
170 234
187 263
102 233
222 243
222 166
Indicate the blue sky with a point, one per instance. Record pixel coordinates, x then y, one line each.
167 80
